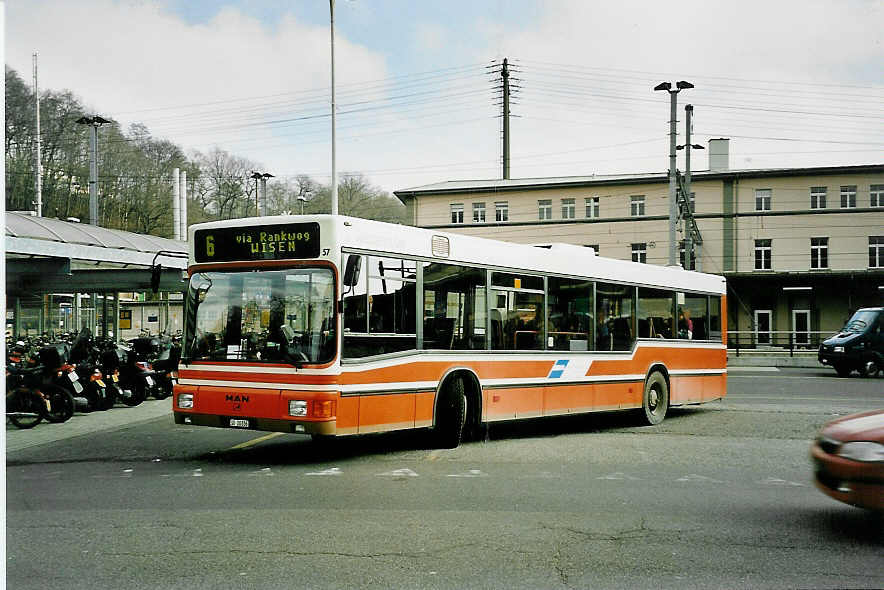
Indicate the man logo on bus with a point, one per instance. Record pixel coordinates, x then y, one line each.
237 398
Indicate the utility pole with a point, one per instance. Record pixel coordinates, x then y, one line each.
334 193
688 238
38 168
673 193
95 121
692 235
505 75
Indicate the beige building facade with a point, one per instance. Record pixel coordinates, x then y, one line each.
801 247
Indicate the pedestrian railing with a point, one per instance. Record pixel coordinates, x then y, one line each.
775 341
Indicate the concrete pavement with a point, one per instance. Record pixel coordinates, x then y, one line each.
80 424
121 416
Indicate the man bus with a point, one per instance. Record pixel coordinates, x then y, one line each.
333 326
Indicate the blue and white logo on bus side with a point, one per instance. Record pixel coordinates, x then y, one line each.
569 369
558 369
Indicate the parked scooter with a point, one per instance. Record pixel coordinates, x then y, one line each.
60 382
133 379
84 355
155 354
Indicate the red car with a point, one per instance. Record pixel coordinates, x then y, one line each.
848 459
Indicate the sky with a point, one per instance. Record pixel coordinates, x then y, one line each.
417 84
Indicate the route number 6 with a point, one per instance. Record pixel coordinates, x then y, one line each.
210 245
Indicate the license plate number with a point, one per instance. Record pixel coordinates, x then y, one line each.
149 381
100 382
114 378
78 387
73 377
239 423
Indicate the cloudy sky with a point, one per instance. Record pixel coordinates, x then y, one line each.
791 83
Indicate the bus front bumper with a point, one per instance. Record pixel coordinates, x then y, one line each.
328 427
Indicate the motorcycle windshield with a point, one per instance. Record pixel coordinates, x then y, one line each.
263 316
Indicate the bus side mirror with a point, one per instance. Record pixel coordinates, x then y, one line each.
351 272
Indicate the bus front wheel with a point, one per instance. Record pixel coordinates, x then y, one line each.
451 415
655 401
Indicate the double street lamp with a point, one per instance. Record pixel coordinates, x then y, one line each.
262 176
673 204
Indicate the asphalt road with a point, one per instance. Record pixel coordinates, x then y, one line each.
718 496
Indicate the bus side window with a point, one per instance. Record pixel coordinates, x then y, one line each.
615 310
454 307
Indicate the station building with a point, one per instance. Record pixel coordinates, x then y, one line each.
801 248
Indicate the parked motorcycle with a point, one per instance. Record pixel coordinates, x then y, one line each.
84 354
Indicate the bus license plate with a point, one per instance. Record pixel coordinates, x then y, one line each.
239 423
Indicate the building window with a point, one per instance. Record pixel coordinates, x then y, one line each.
762 254
640 252
876 195
457 213
819 252
848 196
592 206
637 205
478 212
762 199
876 251
502 211
818 197
544 209
568 209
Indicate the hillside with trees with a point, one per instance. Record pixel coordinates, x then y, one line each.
135 172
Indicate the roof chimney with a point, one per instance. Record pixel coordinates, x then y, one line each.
719 155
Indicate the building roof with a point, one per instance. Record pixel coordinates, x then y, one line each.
44 254
499 185
83 242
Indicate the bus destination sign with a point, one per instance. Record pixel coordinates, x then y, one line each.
263 242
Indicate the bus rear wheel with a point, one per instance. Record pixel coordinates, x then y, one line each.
655 400
451 415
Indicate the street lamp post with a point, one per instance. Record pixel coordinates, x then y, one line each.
262 176
302 200
673 204
334 192
94 122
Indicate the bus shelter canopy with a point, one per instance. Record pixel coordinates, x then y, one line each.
46 255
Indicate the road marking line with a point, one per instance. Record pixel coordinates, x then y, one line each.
255 441
761 369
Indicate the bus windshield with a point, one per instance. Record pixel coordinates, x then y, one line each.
280 316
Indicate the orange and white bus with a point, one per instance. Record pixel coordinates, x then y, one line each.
332 325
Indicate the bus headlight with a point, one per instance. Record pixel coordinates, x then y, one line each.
297 407
185 400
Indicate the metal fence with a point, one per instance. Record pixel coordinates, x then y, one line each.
775 341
